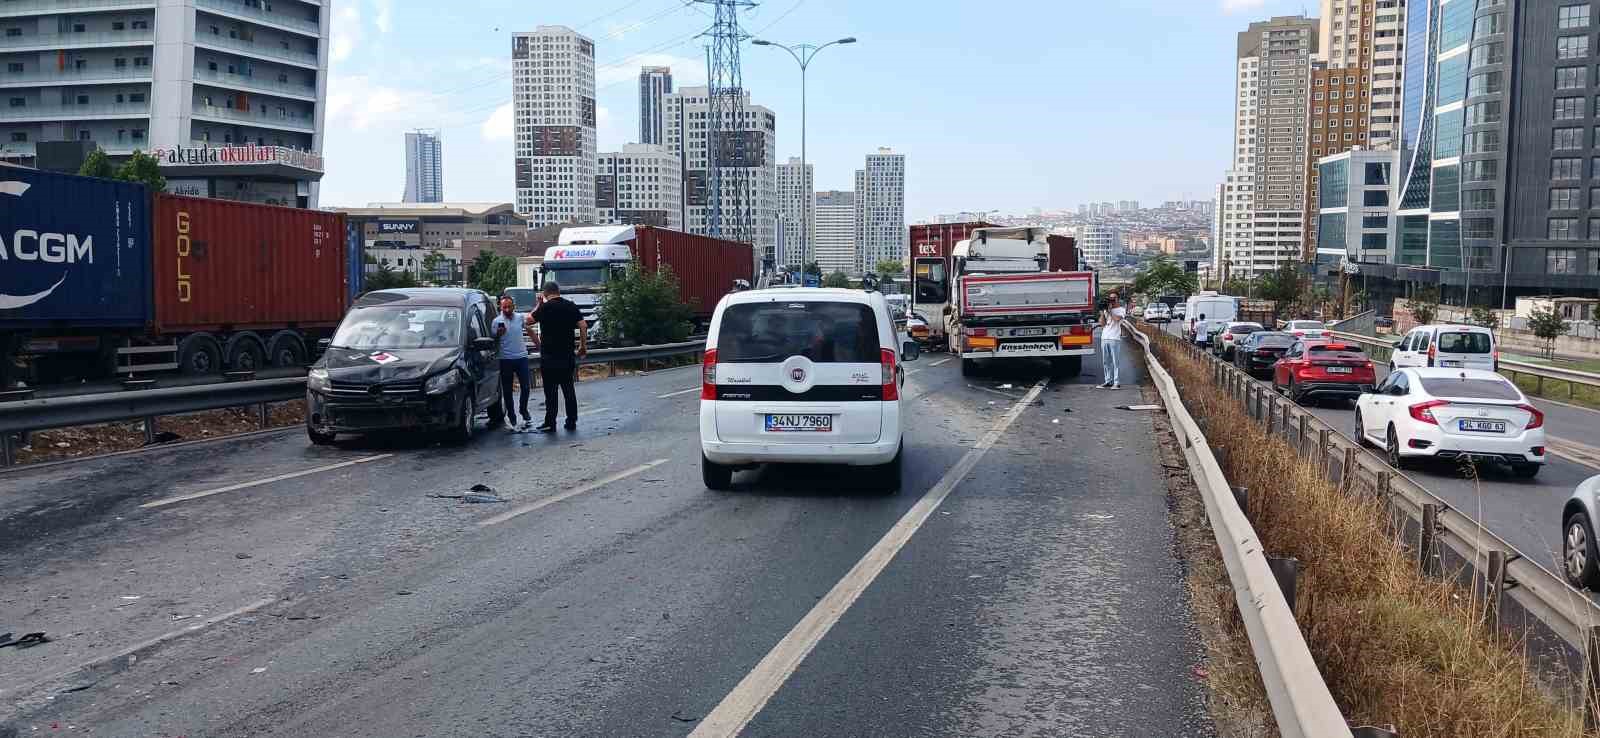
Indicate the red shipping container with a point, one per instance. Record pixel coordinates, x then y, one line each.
222 265
705 267
939 239
1063 253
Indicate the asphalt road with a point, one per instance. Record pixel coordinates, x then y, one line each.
1525 512
1022 582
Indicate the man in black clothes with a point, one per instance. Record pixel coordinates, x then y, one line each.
558 320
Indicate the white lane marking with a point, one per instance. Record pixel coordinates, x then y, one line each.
259 482
595 411
163 638
751 695
942 361
574 492
679 392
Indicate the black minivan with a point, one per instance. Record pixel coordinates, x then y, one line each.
407 360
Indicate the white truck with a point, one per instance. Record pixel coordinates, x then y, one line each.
1006 306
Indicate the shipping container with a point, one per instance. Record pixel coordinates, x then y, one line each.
230 266
355 263
705 267
1063 253
74 251
937 239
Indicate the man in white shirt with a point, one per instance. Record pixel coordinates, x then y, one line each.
1110 341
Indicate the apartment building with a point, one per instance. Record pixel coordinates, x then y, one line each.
640 185
1101 245
881 210
748 164
836 231
797 213
553 113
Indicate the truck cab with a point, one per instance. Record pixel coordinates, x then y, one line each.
583 260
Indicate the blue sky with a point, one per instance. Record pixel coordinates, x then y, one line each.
998 104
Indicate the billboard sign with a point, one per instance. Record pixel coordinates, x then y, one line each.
397 226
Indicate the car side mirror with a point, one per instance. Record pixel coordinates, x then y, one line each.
910 351
324 343
483 344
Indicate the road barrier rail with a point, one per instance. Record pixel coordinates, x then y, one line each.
24 416
1560 623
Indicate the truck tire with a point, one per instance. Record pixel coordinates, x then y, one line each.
1066 366
199 353
286 349
969 367
245 352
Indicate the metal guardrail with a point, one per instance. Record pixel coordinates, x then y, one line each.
22 416
1571 376
1499 569
1301 703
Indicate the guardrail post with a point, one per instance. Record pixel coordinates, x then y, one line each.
1286 570
1591 682
1304 431
265 416
149 429
1272 412
1324 452
1425 535
1494 582
7 454
1347 470
1288 413
1539 390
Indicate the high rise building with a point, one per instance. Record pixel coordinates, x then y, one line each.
836 231
1353 215
552 77
796 209
640 185
1101 245
1365 40
750 158
229 95
424 167
881 210
1273 68
655 83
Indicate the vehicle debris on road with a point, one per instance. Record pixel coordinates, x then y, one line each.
28 640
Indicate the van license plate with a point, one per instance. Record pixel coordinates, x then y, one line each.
1483 426
799 423
1339 370
1449 363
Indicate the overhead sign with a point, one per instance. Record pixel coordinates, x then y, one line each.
397 226
237 156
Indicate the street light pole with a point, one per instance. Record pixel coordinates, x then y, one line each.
803 54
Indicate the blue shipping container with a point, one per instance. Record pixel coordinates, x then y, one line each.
74 250
355 271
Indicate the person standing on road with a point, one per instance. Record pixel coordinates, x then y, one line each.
1110 341
559 320
510 328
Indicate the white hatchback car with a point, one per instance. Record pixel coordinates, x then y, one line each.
1449 346
803 376
1450 414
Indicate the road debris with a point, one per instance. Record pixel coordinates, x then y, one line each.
683 718
1138 407
28 640
258 670
243 556
477 494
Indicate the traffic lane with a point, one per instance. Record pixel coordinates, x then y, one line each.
1044 598
93 567
525 594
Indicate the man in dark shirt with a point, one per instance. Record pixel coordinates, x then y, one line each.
558 320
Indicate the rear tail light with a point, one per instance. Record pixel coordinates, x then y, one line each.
1535 418
708 375
1497 359
891 388
1423 411
1433 353
1227 336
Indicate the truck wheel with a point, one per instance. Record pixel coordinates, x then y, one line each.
245 352
969 367
286 349
1066 366
199 353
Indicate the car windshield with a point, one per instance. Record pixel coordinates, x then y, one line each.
1464 342
824 332
1470 388
577 278
397 327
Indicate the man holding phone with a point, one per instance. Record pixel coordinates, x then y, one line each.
509 329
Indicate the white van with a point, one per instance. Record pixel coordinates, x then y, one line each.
1447 346
1208 310
802 376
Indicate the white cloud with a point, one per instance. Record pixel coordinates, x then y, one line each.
498 126
384 16
685 71
1236 6
347 32
602 114
357 103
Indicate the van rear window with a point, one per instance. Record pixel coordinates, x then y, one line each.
824 332
1464 343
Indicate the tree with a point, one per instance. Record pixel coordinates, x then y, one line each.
492 272
144 169
1485 317
836 279
1424 305
387 278
811 267
432 263
1236 286
889 268
1547 324
644 306
1163 276
98 165
1282 286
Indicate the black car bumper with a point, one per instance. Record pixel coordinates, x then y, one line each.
432 412
1345 390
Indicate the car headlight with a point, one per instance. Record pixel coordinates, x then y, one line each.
317 380
442 383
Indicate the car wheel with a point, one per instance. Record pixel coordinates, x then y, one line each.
466 422
319 438
969 367
1526 471
891 474
716 476
1392 446
1579 560
1292 393
1361 431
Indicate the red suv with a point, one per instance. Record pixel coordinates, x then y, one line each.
1313 369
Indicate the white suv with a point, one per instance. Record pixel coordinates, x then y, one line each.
802 376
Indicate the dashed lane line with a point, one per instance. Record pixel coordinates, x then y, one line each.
269 480
569 494
942 361
679 392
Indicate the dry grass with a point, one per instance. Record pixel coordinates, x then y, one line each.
1394 646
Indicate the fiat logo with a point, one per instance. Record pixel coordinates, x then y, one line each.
798 375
